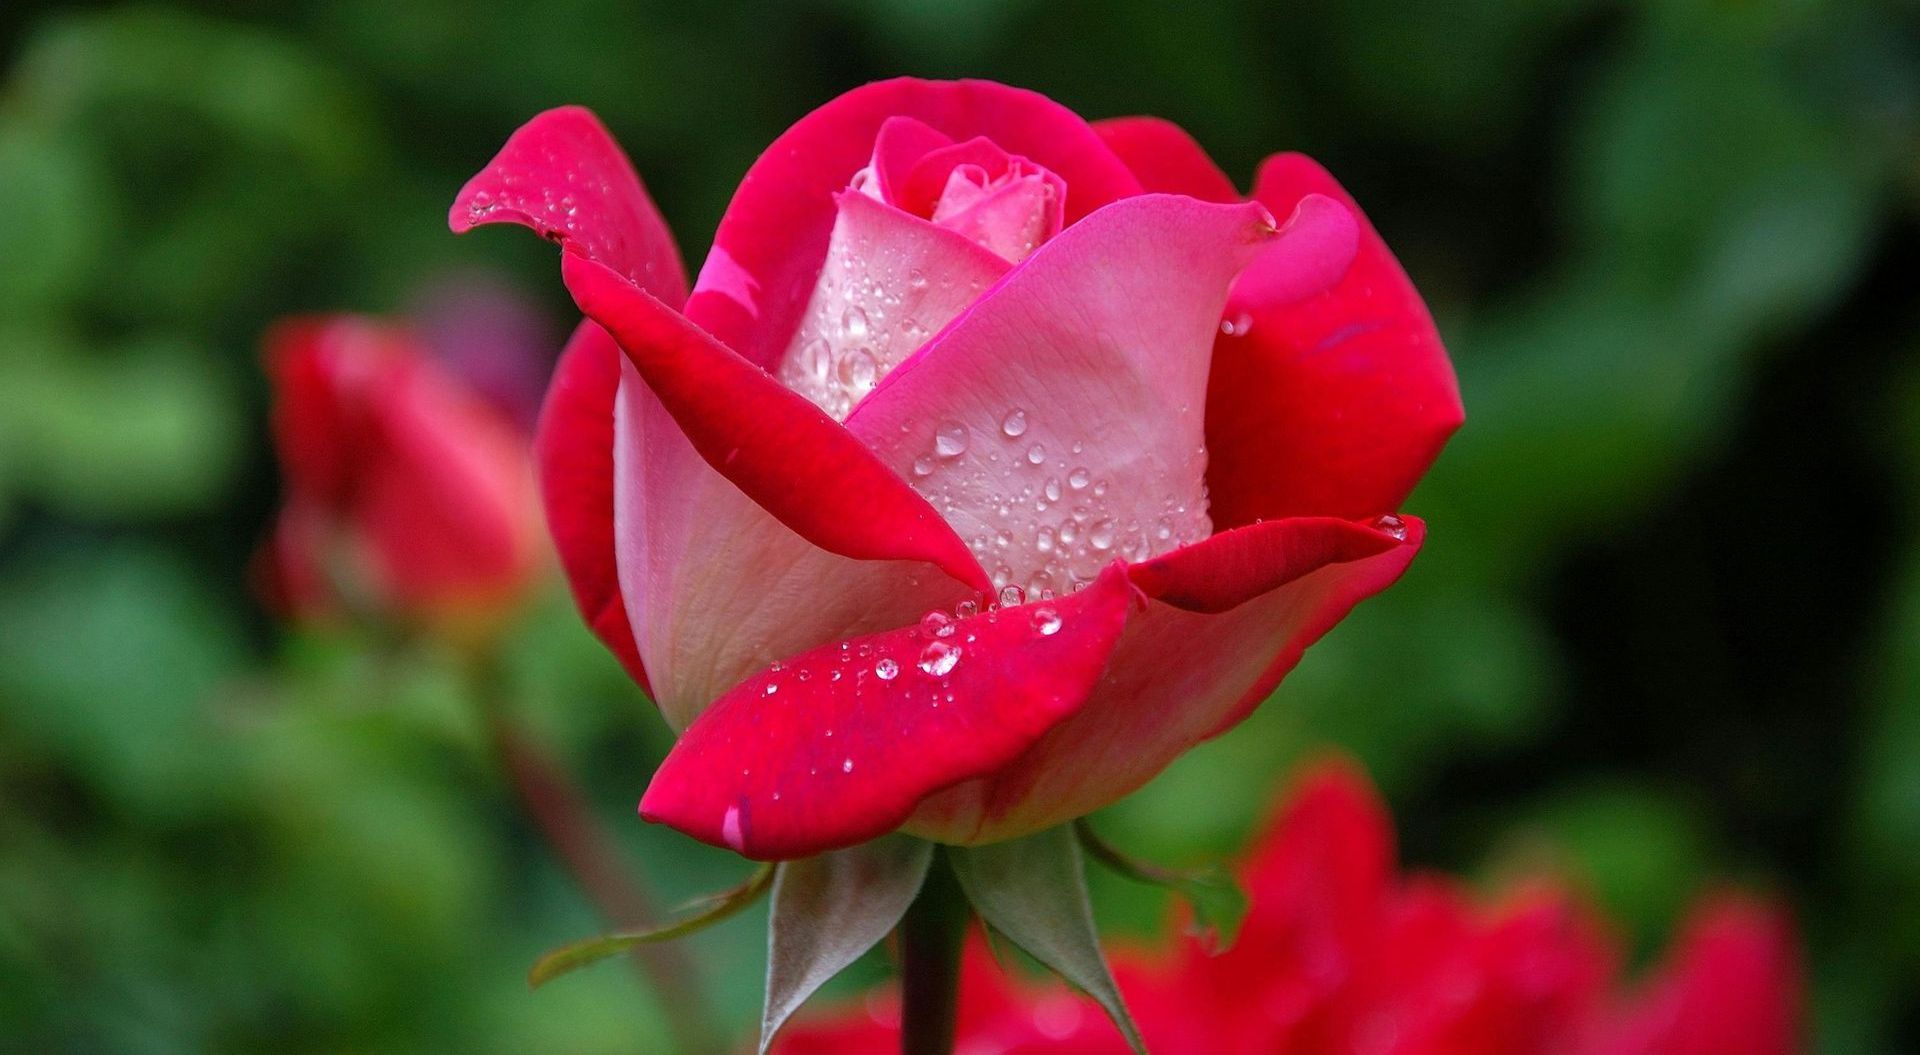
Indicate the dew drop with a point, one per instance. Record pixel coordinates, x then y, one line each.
1101 535
1052 489
1237 325
772 687
857 369
817 358
936 624
1043 540
1012 595
887 669
846 766
923 466
1046 621
939 658
1079 479
1014 423
967 609
916 279
1392 525
951 440
854 323
1036 454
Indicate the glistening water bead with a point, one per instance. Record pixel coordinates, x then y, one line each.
939 658
1014 423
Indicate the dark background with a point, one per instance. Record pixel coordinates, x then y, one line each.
1666 633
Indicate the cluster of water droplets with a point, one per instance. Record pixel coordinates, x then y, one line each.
1040 520
863 320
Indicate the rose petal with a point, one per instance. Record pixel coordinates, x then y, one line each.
782 451
562 175
890 282
1333 405
774 235
1165 158
836 746
1731 984
573 457
1176 678
1074 386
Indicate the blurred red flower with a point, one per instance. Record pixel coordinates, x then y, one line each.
407 494
1342 955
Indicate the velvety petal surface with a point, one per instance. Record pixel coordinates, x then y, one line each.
1176 678
562 175
1164 158
1334 404
770 245
837 745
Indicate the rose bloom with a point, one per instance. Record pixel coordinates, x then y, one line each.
994 460
408 496
1340 955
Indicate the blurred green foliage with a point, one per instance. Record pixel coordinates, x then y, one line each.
1667 628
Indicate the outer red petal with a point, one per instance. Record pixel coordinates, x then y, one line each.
573 457
826 751
1165 158
1233 567
785 453
1334 405
771 242
1179 676
562 175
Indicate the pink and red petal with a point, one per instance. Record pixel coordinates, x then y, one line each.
780 450
563 175
1165 159
1147 711
1331 405
770 245
573 458
838 745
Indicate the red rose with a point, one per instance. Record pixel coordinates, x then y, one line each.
995 459
406 493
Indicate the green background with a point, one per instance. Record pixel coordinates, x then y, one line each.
1666 632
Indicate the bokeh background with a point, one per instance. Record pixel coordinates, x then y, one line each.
1666 633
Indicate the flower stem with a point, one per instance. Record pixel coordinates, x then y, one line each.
565 819
931 936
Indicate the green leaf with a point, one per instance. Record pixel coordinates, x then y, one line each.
1034 892
1218 903
705 913
828 911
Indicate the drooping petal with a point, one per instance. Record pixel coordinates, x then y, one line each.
1176 678
573 457
1332 405
1239 564
1165 158
1316 247
770 245
837 745
779 449
562 175
1056 424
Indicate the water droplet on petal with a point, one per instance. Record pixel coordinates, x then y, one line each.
887 669
857 370
846 766
1014 423
939 659
1101 537
1046 621
854 323
916 279
966 609
1036 454
1012 595
1043 540
1079 479
817 358
951 440
1392 525
923 466
772 687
